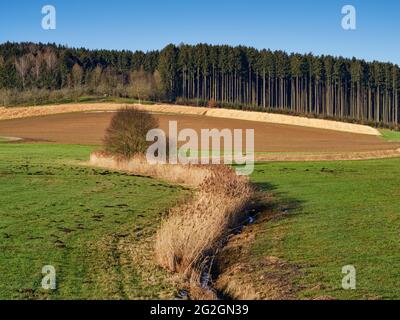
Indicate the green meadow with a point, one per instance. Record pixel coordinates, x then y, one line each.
390 135
336 214
81 220
84 221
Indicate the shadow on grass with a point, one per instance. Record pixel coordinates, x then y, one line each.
276 204
242 273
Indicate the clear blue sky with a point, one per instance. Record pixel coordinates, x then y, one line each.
290 25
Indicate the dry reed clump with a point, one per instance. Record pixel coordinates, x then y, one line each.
190 175
193 232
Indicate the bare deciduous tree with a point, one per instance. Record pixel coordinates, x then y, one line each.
22 65
96 76
77 75
51 59
142 85
126 135
37 65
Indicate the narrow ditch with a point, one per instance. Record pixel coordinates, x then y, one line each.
233 189
211 270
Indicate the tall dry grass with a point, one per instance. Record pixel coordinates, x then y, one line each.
193 232
190 175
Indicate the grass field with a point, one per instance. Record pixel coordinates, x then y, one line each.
85 222
390 135
81 220
339 213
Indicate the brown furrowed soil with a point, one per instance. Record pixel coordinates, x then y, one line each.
287 142
265 117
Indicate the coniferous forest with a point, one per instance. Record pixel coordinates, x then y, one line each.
217 76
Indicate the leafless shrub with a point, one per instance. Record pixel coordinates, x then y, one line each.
126 135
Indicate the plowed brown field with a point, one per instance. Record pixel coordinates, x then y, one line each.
89 128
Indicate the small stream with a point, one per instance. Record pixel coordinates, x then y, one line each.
207 276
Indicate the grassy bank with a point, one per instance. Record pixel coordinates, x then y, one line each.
335 214
390 135
85 222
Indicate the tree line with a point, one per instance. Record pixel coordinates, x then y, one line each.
239 77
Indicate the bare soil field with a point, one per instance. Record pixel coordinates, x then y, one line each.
89 128
23 112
